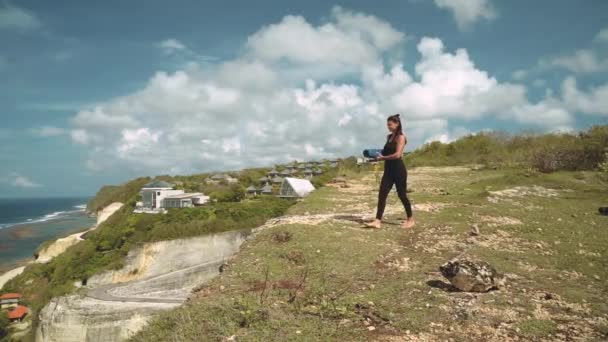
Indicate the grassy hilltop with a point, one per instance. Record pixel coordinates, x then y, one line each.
318 275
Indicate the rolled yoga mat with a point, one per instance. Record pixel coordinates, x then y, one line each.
372 153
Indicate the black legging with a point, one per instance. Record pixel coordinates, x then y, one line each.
394 173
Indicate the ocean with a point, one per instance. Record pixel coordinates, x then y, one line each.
25 223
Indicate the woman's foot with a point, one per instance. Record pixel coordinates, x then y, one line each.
408 223
375 224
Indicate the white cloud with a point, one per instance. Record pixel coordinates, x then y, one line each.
519 75
16 18
48 131
582 61
602 36
467 12
20 181
451 86
350 39
286 98
595 101
171 45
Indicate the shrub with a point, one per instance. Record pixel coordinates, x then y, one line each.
3 325
544 152
111 193
603 167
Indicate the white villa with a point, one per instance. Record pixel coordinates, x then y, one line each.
157 196
216 178
295 187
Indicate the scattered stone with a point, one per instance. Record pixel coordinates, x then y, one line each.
281 236
475 230
371 328
472 276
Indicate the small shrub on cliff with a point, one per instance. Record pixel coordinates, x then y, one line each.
603 167
3 326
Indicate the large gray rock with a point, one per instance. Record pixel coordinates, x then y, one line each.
472 276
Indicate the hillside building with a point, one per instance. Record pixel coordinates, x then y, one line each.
295 188
157 196
18 313
10 299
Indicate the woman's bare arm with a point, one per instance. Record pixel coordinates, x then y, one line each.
401 141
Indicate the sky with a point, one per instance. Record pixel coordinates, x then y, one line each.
99 92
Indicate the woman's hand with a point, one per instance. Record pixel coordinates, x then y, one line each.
380 157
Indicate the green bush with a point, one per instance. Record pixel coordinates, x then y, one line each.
232 193
111 193
544 152
4 330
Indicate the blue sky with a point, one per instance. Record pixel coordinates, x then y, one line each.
98 92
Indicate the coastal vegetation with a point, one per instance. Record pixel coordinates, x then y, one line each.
316 287
542 152
4 329
106 247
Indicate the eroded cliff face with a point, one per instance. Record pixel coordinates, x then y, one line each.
157 276
80 318
106 212
60 245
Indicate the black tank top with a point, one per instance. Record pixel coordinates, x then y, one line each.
389 148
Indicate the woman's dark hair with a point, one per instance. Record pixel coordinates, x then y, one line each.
396 119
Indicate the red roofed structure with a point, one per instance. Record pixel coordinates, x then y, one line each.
9 299
18 313
10 296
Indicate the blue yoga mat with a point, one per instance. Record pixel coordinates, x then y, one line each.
372 153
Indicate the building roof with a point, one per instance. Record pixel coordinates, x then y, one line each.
11 296
17 313
251 188
159 184
185 196
308 171
277 179
302 187
266 188
263 179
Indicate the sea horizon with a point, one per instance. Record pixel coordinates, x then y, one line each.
25 223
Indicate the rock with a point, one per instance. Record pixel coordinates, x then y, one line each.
475 230
603 211
472 276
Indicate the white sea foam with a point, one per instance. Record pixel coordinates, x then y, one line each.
48 217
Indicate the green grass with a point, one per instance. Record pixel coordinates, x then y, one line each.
537 327
333 279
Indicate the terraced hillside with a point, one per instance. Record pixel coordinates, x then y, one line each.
318 274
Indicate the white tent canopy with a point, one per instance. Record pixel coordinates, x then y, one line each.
295 187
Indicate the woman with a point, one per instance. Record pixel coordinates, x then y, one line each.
394 172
